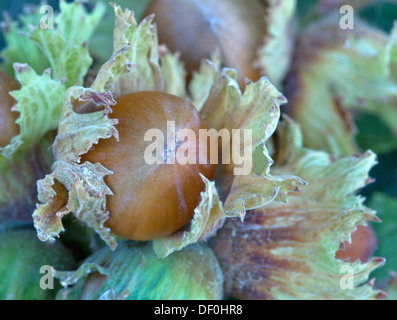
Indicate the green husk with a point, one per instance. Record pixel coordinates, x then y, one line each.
286 250
134 272
22 256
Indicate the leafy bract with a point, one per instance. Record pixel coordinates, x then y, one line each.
338 73
286 250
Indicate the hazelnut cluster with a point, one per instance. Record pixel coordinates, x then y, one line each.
76 134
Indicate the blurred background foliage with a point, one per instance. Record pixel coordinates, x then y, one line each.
372 133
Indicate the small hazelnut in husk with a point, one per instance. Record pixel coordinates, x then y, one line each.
198 28
151 200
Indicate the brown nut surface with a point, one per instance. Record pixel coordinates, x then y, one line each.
150 200
362 246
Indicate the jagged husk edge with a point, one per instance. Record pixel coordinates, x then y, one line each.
135 66
287 250
33 106
84 182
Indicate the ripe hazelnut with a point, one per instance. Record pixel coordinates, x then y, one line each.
150 200
197 28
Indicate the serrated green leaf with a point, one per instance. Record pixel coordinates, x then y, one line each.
99 43
75 25
39 101
70 62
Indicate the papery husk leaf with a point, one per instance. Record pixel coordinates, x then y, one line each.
142 52
87 192
222 96
70 62
39 102
275 54
202 84
208 217
40 99
99 42
259 112
174 73
287 250
112 70
78 132
75 24
28 156
361 80
65 46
